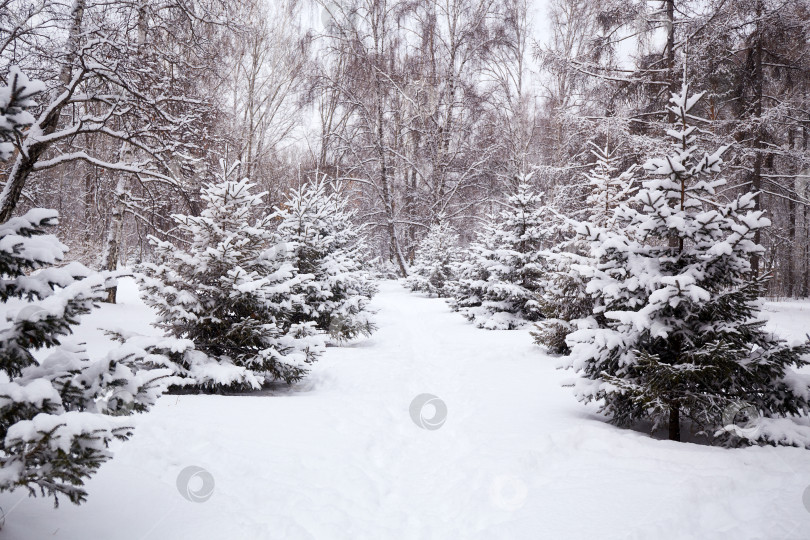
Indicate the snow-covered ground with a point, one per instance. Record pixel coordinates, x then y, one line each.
339 456
790 318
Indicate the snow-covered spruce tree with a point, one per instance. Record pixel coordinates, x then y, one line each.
503 272
58 413
681 339
232 293
473 269
327 250
436 266
563 299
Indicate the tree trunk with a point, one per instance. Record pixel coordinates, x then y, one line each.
674 240
385 184
806 277
89 193
410 211
756 176
673 79
674 422
791 271
790 285
112 249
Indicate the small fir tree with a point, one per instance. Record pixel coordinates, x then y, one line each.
473 270
232 293
327 250
503 274
564 300
606 188
436 266
680 338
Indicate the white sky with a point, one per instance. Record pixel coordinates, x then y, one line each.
539 19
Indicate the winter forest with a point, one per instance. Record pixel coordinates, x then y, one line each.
325 269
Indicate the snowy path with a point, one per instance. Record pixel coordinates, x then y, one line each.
339 456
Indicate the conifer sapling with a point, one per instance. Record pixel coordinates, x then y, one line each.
676 337
232 293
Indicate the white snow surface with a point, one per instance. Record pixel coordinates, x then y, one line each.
338 456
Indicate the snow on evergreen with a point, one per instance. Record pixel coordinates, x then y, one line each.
676 335
326 249
436 265
15 100
58 415
232 293
563 298
607 189
503 271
